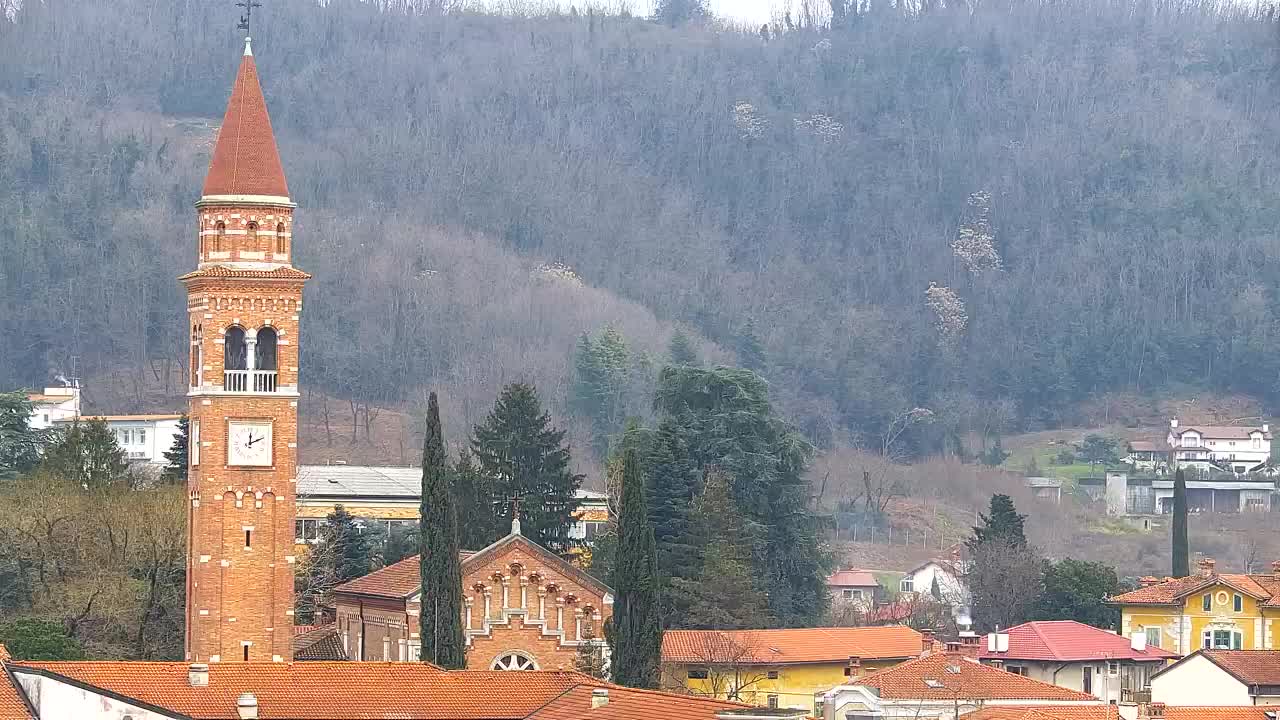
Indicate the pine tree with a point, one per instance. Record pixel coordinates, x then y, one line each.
674 481
353 550
1181 546
681 350
477 523
175 471
723 595
602 367
521 455
635 632
750 349
87 455
1003 523
20 444
440 617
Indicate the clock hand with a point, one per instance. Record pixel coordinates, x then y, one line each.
252 440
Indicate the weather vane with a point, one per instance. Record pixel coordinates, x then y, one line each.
248 6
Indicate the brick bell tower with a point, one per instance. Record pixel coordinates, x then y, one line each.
244 300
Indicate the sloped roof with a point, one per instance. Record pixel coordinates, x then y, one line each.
631 704
790 645
957 676
12 706
1260 587
245 158
1223 432
852 578
1111 712
119 418
1147 446
222 271
1068 640
319 643
1251 667
328 690
359 481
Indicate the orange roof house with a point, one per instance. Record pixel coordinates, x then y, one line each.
939 683
1153 711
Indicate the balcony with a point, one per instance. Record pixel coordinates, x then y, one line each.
249 381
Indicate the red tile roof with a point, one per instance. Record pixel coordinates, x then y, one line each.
1067 640
12 706
1251 667
1226 432
245 159
319 643
1110 712
852 578
790 645
630 704
1172 592
963 678
328 690
221 271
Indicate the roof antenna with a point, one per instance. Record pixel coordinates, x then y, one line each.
245 19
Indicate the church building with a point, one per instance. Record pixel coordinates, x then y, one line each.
244 299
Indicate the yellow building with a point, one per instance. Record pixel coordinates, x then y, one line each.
1205 610
784 668
389 496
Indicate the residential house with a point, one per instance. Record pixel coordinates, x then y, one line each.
525 608
1207 610
941 686
1150 456
1237 449
1221 677
111 690
1129 711
390 496
143 438
52 405
784 667
946 578
858 587
1077 656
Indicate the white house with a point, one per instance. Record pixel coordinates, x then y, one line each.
1238 449
143 438
1220 677
52 405
952 588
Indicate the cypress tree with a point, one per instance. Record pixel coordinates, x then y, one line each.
440 613
635 632
673 482
1181 548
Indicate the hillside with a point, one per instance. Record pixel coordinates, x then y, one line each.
1090 189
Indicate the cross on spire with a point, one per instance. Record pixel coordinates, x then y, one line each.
248 6
515 514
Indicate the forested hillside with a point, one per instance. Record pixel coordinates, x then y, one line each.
991 212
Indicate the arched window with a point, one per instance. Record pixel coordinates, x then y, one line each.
197 356
514 661
280 246
264 355
217 239
235 350
253 236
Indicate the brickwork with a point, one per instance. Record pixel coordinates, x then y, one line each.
238 233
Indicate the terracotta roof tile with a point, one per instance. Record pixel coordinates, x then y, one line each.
12 706
962 677
630 704
1262 587
328 690
791 645
852 578
222 271
1065 640
1110 712
319 643
1252 667
245 159
1227 432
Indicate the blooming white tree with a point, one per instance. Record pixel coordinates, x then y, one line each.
748 121
949 311
557 272
824 127
975 242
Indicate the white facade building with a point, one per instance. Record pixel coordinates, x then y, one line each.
952 588
53 405
143 438
1238 449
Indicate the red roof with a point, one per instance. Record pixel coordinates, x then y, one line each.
790 645
12 706
1251 667
245 159
1068 640
852 578
1172 592
947 676
630 704
1110 712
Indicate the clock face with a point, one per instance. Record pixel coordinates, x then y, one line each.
249 443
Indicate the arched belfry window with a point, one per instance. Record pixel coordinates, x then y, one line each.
264 354
280 246
218 238
514 661
235 349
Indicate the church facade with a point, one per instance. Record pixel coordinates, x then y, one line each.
244 300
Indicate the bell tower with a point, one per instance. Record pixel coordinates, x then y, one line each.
244 300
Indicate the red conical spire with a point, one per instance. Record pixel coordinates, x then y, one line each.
245 159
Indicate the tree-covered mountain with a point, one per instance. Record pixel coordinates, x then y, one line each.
991 210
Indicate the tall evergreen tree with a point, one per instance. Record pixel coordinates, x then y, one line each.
1181 545
473 494
175 470
521 455
1001 523
86 453
681 350
602 366
750 349
353 550
20 444
635 631
674 481
440 612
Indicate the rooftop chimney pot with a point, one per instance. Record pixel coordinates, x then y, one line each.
599 698
1148 581
247 707
198 674
1173 423
1207 566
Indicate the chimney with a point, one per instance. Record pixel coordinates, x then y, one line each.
198 675
1148 581
1138 642
247 707
599 698
1155 710
854 666
926 640
1266 428
1173 423
1206 566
